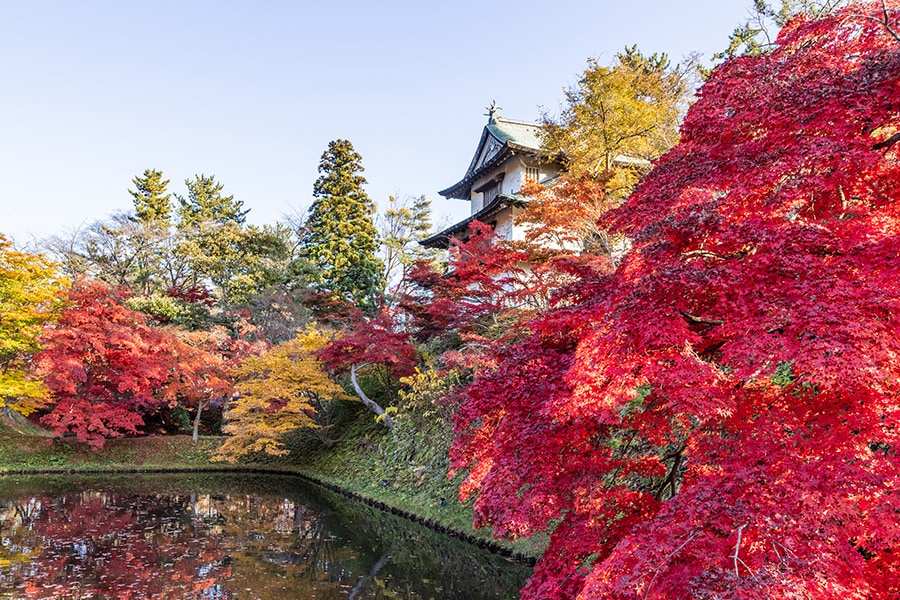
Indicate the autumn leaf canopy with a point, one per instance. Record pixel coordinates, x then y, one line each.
719 417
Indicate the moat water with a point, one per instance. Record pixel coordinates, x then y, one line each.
226 537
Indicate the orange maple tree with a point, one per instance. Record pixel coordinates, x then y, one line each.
201 370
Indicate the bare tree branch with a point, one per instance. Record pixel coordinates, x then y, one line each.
370 404
886 21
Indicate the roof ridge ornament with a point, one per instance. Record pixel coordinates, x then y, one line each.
492 111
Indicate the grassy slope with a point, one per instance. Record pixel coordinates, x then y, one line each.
407 472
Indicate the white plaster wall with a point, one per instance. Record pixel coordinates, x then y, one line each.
516 173
518 231
477 202
515 176
513 180
504 228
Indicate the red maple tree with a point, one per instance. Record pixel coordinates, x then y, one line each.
485 279
718 418
371 341
201 369
104 366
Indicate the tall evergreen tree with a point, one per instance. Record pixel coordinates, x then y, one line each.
151 202
223 254
143 238
206 204
341 239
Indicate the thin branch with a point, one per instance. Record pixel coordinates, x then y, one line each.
886 21
695 319
672 475
704 254
737 559
709 254
666 562
787 550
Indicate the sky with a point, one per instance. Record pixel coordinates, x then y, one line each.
95 92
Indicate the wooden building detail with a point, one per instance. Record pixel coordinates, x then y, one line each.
508 155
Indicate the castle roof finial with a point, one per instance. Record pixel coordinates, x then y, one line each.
492 111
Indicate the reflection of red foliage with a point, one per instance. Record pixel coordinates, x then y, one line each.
109 553
719 417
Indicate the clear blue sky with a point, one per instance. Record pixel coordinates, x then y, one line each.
95 92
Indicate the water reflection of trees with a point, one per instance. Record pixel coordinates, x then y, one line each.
287 542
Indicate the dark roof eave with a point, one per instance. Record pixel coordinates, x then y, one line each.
460 190
441 239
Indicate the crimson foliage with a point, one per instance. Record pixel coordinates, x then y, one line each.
719 417
104 365
372 341
486 279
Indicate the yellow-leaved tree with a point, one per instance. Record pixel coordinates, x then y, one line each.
619 118
30 289
615 122
279 391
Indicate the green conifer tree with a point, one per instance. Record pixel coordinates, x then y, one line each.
341 239
221 253
151 202
206 204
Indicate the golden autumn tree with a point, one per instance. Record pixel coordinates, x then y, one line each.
618 118
29 286
279 391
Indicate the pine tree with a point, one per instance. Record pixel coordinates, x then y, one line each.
206 204
341 239
151 202
223 254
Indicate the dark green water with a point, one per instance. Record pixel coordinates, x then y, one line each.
226 537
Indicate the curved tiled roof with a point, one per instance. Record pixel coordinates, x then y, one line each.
515 137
